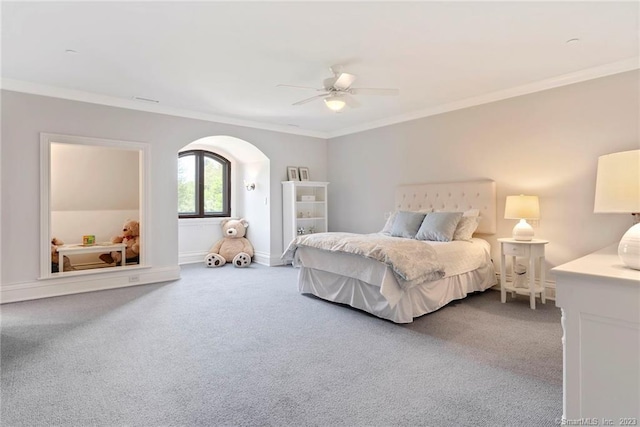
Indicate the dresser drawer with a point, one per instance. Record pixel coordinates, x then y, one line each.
514 249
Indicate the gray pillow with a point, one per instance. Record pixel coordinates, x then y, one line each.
439 226
406 224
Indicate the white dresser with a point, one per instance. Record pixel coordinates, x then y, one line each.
600 301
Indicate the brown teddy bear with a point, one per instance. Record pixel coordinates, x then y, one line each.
55 257
233 247
131 237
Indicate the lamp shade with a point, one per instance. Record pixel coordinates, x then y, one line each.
618 191
618 183
522 207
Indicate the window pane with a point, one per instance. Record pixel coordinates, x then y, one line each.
187 185
213 185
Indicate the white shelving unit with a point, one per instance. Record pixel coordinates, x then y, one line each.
304 209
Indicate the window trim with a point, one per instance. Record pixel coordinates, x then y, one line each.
226 190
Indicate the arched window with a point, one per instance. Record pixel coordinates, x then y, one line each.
204 185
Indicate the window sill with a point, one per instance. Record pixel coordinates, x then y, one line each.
201 221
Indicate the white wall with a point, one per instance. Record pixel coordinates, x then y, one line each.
195 237
24 116
255 204
544 144
85 177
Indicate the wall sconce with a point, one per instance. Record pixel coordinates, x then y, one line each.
250 186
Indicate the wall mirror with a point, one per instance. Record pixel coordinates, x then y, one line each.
90 188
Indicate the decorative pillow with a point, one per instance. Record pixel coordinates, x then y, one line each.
389 224
466 227
406 224
392 217
471 212
439 226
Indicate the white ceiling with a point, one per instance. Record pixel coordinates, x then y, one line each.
223 60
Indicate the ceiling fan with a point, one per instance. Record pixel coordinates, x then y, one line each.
337 91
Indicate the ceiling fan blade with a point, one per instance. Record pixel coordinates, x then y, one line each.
300 87
304 101
373 91
351 101
344 80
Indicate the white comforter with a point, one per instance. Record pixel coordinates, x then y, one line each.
412 261
457 257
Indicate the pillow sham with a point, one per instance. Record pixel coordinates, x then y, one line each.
392 217
439 226
406 224
466 227
468 212
389 224
471 213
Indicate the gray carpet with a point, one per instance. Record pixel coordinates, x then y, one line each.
241 347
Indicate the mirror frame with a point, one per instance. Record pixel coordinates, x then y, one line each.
46 139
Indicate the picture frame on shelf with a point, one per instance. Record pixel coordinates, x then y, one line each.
292 173
304 173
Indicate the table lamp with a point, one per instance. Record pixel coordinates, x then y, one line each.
523 208
618 191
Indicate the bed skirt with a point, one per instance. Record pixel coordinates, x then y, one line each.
415 302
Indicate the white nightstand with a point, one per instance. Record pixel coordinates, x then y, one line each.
532 250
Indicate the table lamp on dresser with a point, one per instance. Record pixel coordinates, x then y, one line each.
618 191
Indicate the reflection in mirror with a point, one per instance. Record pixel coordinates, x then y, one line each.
94 204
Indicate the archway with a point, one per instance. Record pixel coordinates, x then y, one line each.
249 165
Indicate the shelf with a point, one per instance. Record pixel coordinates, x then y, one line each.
524 291
299 214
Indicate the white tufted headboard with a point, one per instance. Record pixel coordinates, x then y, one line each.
452 196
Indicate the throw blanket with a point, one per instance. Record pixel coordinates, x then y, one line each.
412 261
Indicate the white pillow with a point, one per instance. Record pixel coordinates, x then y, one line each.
466 227
471 213
468 224
389 224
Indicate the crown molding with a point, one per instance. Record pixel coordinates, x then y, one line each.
628 64
113 101
622 66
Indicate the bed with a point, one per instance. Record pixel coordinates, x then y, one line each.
397 277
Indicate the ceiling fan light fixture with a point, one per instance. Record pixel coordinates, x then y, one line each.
335 103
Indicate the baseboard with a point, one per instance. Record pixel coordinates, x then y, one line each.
262 258
75 284
191 257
